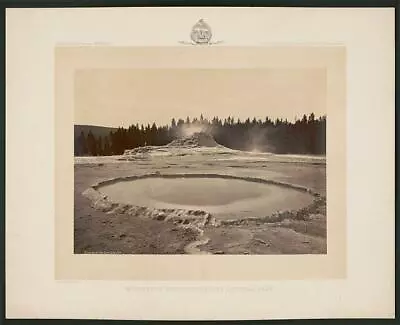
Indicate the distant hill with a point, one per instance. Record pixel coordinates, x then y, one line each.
96 130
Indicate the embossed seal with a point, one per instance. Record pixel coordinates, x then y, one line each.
201 33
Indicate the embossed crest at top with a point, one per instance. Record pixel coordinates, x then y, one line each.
201 33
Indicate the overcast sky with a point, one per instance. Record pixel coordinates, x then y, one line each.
123 97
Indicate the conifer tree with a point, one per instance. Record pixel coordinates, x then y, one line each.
91 143
82 149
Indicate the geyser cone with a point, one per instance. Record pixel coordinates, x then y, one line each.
197 139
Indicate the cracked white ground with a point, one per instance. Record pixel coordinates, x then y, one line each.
148 208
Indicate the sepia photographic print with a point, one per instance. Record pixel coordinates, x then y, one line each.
200 161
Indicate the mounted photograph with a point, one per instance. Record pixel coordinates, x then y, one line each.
213 163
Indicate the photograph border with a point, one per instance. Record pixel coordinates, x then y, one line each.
201 267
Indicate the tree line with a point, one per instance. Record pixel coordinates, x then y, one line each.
303 136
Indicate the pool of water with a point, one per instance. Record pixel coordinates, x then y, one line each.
224 198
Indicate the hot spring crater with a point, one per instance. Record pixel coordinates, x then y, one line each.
225 197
